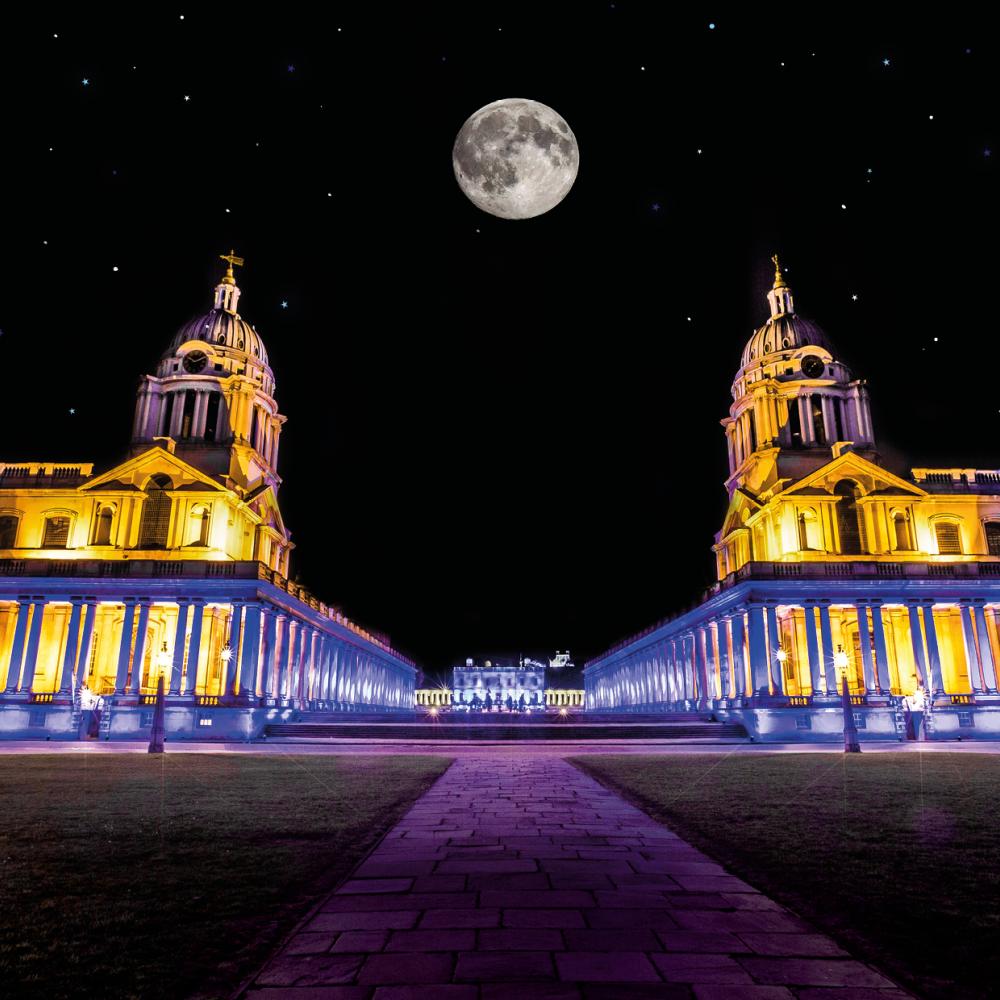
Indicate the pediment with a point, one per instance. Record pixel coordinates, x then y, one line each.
136 472
872 478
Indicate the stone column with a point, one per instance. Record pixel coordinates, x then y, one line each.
806 420
701 659
829 423
85 641
725 661
31 650
298 658
866 647
285 660
971 652
739 666
758 651
17 649
774 643
881 650
140 648
826 644
194 645
270 652
234 645
251 651
69 657
917 641
180 641
933 653
985 650
125 646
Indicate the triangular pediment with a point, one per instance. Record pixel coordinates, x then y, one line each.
873 479
135 473
742 501
264 503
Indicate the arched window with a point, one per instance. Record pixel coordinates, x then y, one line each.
901 528
155 523
949 540
56 532
199 522
992 529
102 526
849 518
8 531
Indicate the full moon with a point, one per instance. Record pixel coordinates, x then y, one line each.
515 158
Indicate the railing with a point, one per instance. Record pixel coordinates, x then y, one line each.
207 699
40 698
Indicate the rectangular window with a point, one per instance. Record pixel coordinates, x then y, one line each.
56 533
948 539
992 538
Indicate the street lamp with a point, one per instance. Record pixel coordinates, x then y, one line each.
851 744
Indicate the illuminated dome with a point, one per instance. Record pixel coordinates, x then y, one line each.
222 329
785 332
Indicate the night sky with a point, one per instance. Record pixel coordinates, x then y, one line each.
502 435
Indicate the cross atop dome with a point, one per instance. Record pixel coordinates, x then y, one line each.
779 281
227 293
779 298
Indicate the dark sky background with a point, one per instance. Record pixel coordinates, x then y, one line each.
501 435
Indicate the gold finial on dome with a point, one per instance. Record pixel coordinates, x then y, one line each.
779 281
231 259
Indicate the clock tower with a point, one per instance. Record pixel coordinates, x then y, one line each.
211 400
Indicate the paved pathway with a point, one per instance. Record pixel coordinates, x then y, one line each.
524 878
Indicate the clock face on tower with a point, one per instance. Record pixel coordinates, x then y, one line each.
195 361
812 367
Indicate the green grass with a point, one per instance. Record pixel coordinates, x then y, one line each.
895 855
172 876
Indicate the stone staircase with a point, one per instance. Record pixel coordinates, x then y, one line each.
682 728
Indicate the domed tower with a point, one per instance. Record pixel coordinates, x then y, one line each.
795 403
213 395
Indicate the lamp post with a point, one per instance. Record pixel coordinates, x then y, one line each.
781 656
851 744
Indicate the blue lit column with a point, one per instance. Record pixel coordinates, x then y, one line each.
774 643
985 650
180 640
270 653
295 667
31 652
17 649
251 651
933 653
701 659
971 652
194 645
72 641
739 666
917 641
285 660
881 651
125 647
826 643
758 650
85 642
725 663
866 646
139 652
812 647
234 644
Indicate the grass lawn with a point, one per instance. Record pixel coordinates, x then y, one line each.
171 876
895 855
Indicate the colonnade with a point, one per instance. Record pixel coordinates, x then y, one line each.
801 650
250 651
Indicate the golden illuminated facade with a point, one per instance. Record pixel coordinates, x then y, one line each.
829 565
174 564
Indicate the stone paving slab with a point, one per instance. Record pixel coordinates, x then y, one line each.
523 877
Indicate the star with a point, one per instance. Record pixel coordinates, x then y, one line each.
284 303
885 62
227 211
85 81
187 97
699 152
291 68
72 410
854 298
987 152
869 170
689 319
655 206
711 25
930 118
115 268
843 206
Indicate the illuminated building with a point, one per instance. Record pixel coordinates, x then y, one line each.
174 564
827 564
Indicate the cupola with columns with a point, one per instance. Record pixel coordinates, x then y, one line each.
211 400
795 405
